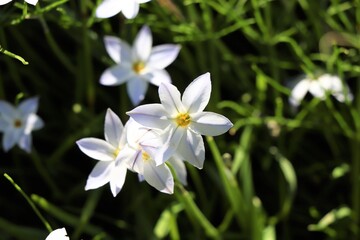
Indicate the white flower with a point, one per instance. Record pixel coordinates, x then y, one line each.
138 65
58 234
109 8
18 123
140 158
110 168
32 2
183 119
318 88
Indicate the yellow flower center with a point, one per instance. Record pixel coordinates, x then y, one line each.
116 152
138 67
17 123
145 156
183 119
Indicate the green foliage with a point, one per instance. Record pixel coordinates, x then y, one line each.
280 172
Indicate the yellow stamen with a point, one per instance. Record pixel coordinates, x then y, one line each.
17 123
145 156
116 152
138 67
183 119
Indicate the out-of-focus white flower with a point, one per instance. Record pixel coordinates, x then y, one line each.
318 87
17 123
138 66
109 8
58 234
183 120
110 168
32 2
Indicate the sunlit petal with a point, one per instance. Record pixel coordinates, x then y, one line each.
97 149
118 176
157 77
33 122
170 145
150 115
113 128
159 177
58 234
210 124
113 47
32 2
109 8
130 9
136 88
116 75
317 90
191 148
100 175
163 55
197 95
170 98
143 44
2 2
299 91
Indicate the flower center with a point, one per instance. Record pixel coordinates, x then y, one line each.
183 119
116 152
138 67
145 156
17 123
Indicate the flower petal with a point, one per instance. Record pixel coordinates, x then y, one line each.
130 9
97 149
157 77
197 95
142 44
2 2
118 176
100 175
10 138
136 88
179 168
33 122
170 98
159 177
4 125
191 148
113 46
336 87
317 90
171 143
299 91
109 8
32 2
58 234
150 115
163 55
7 111
113 128
210 124
29 106
25 142
116 75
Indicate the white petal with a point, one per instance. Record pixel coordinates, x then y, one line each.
191 148
197 95
136 88
335 86
4 125
113 128
7 111
163 55
170 98
130 9
32 2
58 234
97 149
100 175
113 47
25 142
173 137
143 44
109 8
116 75
143 1
210 124
29 106
157 77
33 122
299 91
179 168
118 176
2 2
141 177
159 177
317 90
10 138
150 115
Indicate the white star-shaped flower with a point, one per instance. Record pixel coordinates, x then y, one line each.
110 168
109 8
138 66
17 123
183 120
32 2
318 88
58 234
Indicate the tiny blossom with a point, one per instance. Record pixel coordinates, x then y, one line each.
58 234
17 123
183 119
110 168
138 66
318 87
109 8
32 2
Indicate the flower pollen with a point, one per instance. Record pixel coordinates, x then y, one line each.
116 152
183 119
138 67
17 123
145 156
